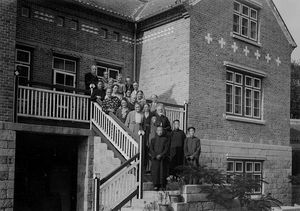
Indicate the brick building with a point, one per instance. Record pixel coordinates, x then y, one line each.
229 60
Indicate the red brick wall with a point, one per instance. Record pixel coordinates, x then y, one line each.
7 57
163 58
207 75
47 38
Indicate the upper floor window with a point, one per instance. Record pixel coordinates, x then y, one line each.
74 25
64 72
245 21
60 21
23 65
243 95
113 72
25 12
252 168
103 32
116 36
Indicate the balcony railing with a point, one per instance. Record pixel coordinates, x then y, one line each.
54 105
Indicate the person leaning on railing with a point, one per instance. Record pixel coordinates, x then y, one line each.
110 103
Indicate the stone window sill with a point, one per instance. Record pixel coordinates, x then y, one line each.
245 119
239 37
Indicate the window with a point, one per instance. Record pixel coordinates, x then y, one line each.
23 65
243 95
74 25
60 21
103 32
113 72
25 12
248 167
64 72
116 36
245 21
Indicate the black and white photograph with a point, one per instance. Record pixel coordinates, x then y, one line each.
149 105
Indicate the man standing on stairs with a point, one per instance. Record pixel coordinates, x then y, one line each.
176 150
159 151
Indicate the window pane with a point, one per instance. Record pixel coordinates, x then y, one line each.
69 80
23 56
238 100
253 33
116 36
23 81
253 14
100 71
256 102
113 73
229 76
60 21
236 6
25 12
58 63
103 32
229 98
257 83
248 81
245 10
70 66
248 102
249 167
239 166
236 23
238 78
23 71
230 166
60 79
258 178
245 26
257 167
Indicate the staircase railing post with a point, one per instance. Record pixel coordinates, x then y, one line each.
141 167
96 193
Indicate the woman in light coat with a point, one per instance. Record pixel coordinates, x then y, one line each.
135 119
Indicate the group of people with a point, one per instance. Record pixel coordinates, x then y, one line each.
165 148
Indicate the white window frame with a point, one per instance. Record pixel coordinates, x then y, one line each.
29 62
22 63
232 166
108 70
63 71
249 18
240 162
246 167
241 87
23 14
76 26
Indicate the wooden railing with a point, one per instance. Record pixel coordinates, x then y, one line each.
179 113
49 104
118 137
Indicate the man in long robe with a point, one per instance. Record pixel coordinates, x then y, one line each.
162 120
91 78
159 150
176 150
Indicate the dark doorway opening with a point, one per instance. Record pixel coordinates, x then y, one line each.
46 172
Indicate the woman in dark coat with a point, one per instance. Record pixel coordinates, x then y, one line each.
99 93
159 150
123 111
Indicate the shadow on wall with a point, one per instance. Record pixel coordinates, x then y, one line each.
167 96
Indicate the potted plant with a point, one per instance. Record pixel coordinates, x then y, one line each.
174 187
164 204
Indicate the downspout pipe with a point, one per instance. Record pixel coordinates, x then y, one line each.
135 53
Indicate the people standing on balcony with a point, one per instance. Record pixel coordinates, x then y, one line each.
123 111
134 91
140 98
154 102
99 93
110 83
91 78
177 138
115 92
128 84
110 103
192 148
134 119
159 150
162 120
121 85
146 128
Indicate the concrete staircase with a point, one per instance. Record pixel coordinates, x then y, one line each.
104 159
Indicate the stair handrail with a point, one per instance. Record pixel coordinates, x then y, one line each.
117 170
116 134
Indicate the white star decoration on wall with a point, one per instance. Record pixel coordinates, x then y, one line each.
209 39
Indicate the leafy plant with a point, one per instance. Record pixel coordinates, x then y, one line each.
163 197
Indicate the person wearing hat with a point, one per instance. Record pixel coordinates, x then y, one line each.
192 148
